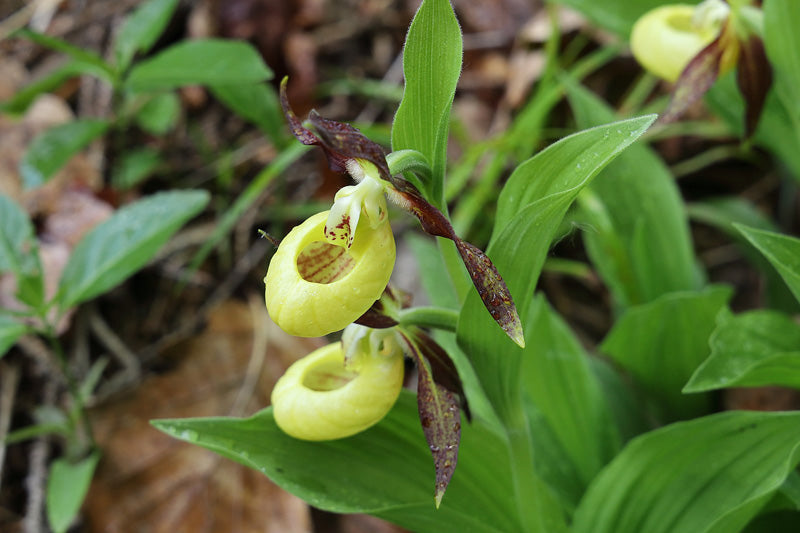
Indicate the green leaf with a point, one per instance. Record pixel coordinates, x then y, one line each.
752 349
91 62
66 488
781 250
199 62
617 16
23 98
722 213
638 236
52 149
141 30
662 342
159 115
712 474
124 243
256 102
530 209
782 44
10 331
559 379
432 66
16 236
135 166
385 471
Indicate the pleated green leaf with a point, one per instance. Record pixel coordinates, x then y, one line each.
752 349
124 243
712 474
637 233
782 251
558 377
432 66
662 343
386 471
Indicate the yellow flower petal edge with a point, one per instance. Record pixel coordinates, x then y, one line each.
314 288
665 39
319 399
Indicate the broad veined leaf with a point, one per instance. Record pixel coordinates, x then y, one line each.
124 243
712 474
519 249
782 43
199 62
385 471
10 331
661 344
558 378
751 349
66 488
159 114
141 30
782 251
432 66
52 149
638 235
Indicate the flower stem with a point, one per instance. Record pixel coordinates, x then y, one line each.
432 317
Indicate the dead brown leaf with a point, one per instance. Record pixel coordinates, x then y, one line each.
150 482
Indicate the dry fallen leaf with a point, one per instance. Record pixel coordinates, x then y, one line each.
150 482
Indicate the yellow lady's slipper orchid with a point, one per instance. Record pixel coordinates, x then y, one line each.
665 39
319 398
314 288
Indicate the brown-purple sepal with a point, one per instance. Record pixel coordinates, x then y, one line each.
442 366
696 79
440 417
381 314
487 280
340 141
754 77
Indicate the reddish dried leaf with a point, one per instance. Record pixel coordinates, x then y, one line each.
487 280
754 77
440 418
442 366
340 141
696 79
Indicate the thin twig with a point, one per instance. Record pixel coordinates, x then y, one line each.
114 344
37 472
258 353
9 379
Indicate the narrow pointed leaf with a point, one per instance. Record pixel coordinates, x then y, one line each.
385 471
440 417
10 331
696 79
748 350
92 63
712 474
124 243
754 77
782 251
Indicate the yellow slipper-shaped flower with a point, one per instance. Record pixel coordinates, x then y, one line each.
314 288
665 39
318 398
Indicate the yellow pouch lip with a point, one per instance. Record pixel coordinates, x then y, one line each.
315 415
308 309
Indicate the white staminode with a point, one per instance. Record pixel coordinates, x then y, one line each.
367 195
